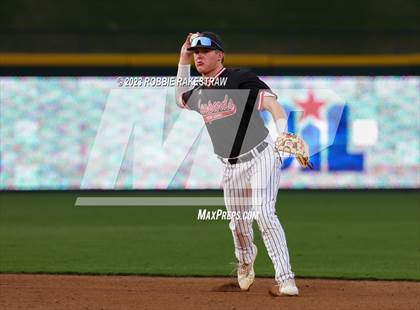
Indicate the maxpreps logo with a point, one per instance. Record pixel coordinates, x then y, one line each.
324 124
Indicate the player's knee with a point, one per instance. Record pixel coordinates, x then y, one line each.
267 223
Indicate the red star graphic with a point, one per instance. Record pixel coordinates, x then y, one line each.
310 106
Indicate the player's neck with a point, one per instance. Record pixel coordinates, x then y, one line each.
213 72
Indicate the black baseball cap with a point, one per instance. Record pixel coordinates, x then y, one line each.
208 40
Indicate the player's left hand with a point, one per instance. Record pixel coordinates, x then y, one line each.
293 144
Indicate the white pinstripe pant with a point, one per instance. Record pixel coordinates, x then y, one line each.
253 186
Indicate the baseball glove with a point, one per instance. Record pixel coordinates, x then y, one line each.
295 145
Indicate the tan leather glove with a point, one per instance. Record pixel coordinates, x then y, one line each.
295 145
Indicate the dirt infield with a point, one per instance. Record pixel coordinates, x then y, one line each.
135 292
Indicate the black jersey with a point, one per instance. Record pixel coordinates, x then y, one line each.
231 111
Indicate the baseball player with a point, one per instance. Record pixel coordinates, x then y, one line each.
242 142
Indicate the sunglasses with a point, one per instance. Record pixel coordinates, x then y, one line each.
204 42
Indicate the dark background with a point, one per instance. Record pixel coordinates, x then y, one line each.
281 27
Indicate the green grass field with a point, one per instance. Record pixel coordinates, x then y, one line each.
330 234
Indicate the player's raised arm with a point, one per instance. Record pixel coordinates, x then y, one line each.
185 55
270 104
184 67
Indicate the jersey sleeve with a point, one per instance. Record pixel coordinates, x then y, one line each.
258 89
183 99
188 100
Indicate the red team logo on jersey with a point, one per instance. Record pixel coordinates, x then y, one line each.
217 109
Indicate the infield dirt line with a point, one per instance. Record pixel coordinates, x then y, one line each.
26 291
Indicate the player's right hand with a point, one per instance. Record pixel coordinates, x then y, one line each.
185 56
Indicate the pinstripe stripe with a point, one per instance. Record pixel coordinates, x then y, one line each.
271 239
261 176
236 192
247 223
278 230
247 246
